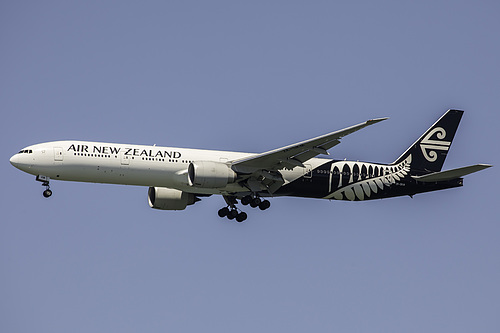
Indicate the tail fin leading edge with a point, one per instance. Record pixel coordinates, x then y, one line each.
430 150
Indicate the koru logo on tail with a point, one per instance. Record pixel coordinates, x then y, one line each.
429 146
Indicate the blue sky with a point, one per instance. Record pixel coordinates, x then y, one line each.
249 76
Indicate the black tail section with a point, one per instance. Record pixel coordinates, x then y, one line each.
429 151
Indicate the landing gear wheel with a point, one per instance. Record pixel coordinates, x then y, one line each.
241 217
255 202
47 193
246 200
232 214
264 205
223 212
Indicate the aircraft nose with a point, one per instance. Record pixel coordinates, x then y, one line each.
14 160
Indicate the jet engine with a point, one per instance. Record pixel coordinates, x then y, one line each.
169 198
209 174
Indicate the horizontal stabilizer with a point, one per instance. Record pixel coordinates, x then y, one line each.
450 174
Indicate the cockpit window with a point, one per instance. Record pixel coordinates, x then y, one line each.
26 151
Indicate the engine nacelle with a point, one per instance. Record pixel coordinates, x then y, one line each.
169 198
209 174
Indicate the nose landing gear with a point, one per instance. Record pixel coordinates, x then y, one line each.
47 193
45 182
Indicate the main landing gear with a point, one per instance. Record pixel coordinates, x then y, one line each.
255 202
45 182
231 212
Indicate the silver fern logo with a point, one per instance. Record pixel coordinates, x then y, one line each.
429 146
378 178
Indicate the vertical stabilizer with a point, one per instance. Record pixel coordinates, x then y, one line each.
429 151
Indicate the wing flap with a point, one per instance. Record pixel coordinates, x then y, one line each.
451 174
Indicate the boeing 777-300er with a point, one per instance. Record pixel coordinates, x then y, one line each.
178 177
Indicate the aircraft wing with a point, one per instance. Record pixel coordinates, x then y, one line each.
296 154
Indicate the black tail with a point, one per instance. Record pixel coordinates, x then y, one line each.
429 151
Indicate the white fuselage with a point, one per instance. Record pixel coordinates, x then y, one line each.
125 164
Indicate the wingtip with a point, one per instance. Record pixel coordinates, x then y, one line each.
485 165
376 120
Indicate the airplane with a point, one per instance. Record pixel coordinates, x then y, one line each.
179 177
